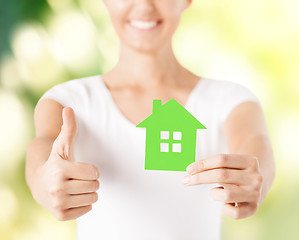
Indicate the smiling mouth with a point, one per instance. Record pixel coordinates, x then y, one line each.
144 25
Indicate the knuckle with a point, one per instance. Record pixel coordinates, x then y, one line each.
227 195
88 168
95 197
58 203
222 175
58 173
253 162
55 190
257 181
95 171
200 164
61 215
260 179
255 185
96 185
222 159
224 156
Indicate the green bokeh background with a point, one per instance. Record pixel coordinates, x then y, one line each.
46 42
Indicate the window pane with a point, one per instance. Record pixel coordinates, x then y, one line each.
177 135
176 147
164 134
164 147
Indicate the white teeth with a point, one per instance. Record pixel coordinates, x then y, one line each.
143 24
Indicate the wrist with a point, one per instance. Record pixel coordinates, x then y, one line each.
34 179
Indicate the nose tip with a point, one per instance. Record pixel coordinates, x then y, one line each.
145 3
145 9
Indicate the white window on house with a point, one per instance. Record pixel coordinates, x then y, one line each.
164 147
176 147
173 142
177 135
164 134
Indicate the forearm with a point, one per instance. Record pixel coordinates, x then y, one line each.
38 151
260 146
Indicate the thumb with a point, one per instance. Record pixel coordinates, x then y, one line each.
63 145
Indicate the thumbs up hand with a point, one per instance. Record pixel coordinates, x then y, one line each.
63 144
68 187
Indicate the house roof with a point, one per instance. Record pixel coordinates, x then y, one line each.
171 115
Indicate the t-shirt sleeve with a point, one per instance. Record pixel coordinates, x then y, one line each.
61 93
233 95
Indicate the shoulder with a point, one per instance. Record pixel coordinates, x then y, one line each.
69 92
73 83
229 92
227 95
223 86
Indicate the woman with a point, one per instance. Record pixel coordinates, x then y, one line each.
96 136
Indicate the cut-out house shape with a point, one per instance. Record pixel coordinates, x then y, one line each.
170 137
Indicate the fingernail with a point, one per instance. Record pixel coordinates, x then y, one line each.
190 168
186 179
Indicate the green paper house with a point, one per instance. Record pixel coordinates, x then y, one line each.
170 137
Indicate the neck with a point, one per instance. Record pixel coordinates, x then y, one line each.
149 69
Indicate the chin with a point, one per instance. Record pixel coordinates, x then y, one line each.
144 46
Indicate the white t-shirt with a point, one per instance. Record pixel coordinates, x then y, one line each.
135 203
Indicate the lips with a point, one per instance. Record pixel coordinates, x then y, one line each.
144 24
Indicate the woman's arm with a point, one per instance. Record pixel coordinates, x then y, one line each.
246 133
65 187
48 122
247 172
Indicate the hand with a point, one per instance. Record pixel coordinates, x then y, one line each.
65 187
241 179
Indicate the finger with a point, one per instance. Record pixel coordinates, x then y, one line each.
81 171
63 145
79 200
81 186
235 161
222 175
234 195
73 213
243 210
